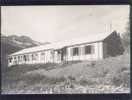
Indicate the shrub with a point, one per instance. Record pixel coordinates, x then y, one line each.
87 82
56 80
71 78
122 78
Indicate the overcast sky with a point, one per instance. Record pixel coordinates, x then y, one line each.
58 23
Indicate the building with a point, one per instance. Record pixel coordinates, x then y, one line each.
92 48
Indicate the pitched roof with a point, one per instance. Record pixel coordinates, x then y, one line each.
57 45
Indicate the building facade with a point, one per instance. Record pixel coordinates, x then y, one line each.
95 47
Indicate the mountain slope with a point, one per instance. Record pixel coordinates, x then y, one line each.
19 41
11 44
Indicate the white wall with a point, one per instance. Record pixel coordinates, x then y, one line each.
98 52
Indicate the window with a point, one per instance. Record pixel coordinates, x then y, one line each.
64 50
15 59
88 49
19 58
42 55
10 59
75 51
25 59
27 56
59 51
34 56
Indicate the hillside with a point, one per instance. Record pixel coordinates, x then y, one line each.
106 76
13 43
19 41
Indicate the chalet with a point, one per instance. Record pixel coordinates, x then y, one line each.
91 48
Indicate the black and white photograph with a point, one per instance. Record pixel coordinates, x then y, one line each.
69 49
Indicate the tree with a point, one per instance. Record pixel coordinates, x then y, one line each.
126 37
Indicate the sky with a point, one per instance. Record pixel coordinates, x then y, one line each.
58 23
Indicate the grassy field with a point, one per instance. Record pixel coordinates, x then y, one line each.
110 75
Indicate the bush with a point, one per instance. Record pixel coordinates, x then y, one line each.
71 78
87 82
122 78
55 80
